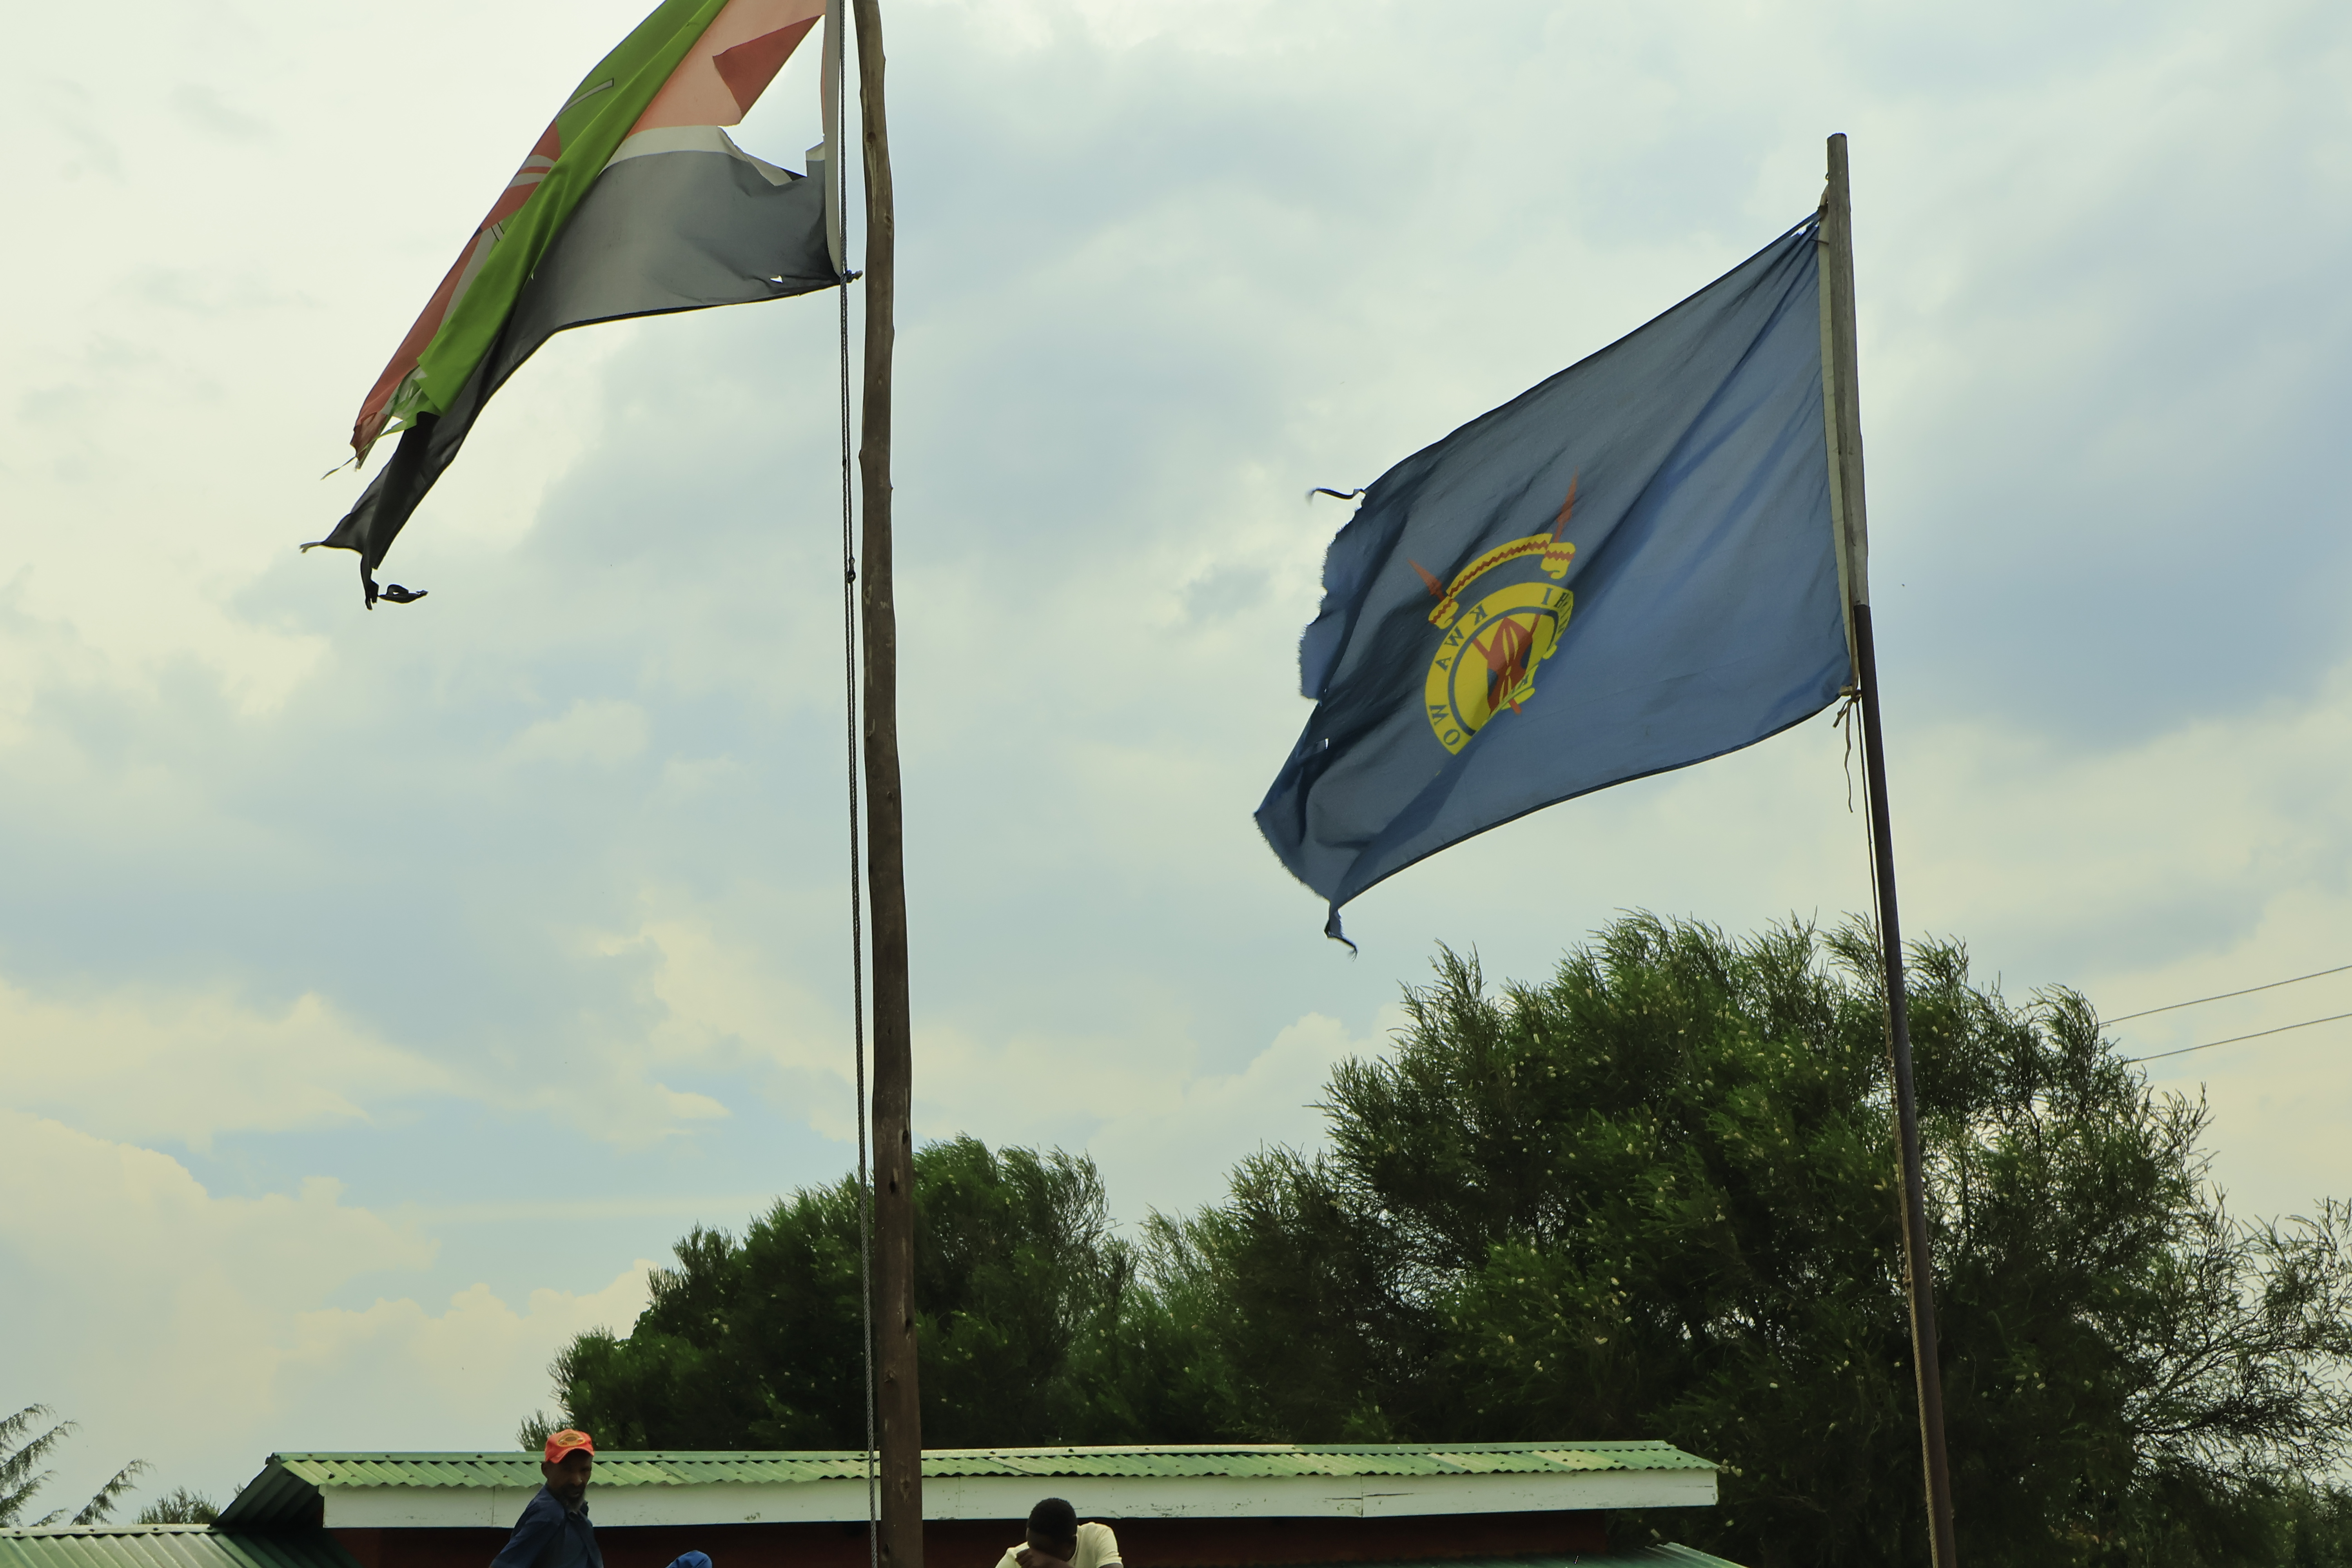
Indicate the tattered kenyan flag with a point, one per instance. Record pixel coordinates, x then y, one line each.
633 203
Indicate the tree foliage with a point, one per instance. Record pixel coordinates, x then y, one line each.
1655 1198
180 1506
23 1453
1651 1197
1031 1328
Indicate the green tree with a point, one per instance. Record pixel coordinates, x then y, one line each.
1032 1330
180 1506
21 1454
1651 1197
1654 1198
2302 1526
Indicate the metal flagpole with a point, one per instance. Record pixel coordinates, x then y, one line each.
1850 517
898 1402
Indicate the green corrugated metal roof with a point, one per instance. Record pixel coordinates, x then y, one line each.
619 1468
289 1491
166 1546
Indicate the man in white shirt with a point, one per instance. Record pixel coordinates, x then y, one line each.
1056 1540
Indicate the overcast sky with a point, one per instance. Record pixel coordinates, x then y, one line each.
381 994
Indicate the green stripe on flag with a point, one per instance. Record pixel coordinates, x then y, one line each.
592 125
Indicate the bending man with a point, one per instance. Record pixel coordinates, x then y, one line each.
1056 1540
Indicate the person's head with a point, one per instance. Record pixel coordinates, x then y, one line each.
1053 1528
571 1460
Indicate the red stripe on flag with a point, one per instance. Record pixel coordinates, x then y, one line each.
748 68
701 92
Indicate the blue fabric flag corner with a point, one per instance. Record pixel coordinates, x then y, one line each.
1626 569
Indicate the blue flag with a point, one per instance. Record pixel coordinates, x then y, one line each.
1626 569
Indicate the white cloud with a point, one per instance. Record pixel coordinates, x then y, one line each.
622 1111
147 1066
201 1331
605 733
397 1374
722 995
722 1005
1163 1125
134 1287
1164 1132
2165 846
1180 1142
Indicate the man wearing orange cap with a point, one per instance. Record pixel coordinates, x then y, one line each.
554 1532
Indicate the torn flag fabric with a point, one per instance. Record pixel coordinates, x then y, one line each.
1626 569
634 202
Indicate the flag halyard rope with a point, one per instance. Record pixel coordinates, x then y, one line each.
837 173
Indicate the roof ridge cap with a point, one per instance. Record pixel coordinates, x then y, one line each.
111 1530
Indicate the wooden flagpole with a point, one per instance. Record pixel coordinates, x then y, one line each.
898 1401
1852 520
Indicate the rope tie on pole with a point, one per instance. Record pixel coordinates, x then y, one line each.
1846 723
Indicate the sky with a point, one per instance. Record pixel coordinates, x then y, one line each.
381 995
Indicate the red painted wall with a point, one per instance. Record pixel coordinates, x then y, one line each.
977 1543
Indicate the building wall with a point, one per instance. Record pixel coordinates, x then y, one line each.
977 1543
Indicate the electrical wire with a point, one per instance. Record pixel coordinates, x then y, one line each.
2223 996
2233 1039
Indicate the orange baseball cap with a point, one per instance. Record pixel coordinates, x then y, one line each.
568 1441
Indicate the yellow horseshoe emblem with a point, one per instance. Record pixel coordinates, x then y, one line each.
1486 661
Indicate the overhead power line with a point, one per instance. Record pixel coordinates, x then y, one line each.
2258 1034
2224 996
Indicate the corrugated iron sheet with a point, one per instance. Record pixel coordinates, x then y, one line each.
287 1491
618 1468
166 1546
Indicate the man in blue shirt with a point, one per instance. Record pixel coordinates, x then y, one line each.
554 1532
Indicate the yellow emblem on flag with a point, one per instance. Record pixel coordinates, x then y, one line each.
1487 661
1488 657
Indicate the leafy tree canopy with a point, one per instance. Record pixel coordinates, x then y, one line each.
184 1506
1027 1303
1651 1197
